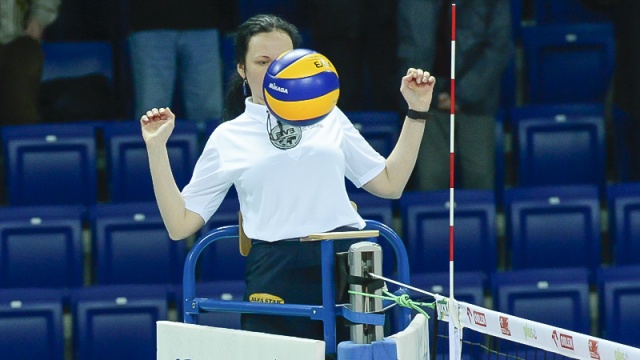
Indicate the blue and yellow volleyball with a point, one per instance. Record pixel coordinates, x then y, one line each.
301 87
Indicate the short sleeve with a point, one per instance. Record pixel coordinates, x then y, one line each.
363 162
209 183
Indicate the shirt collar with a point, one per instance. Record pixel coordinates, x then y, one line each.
255 111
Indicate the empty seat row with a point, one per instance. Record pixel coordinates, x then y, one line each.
548 227
545 227
557 297
108 321
59 163
564 61
120 321
46 246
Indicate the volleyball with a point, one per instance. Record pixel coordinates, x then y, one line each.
301 87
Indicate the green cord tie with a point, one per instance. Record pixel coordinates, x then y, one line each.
403 300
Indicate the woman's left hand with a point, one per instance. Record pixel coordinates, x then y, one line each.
417 89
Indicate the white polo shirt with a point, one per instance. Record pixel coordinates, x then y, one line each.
283 193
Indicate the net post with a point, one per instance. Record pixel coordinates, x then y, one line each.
364 258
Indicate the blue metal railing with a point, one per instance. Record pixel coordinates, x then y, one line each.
326 312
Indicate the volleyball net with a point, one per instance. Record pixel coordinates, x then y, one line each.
474 332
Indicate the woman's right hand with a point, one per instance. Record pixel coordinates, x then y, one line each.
157 125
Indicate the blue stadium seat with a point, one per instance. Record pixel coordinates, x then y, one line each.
623 205
550 296
287 9
131 245
517 19
50 164
568 63
380 128
371 207
117 322
425 224
509 90
501 161
41 246
128 164
222 259
619 295
227 53
74 59
31 324
559 145
553 227
565 11
624 131
219 290
468 286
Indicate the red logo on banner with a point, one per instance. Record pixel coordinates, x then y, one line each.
566 341
593 349
504 325
479 319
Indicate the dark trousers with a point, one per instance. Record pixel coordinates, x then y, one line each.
474 150
290 271
21 64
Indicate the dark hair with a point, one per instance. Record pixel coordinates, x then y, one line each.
234 102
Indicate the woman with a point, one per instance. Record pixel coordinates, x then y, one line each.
285 192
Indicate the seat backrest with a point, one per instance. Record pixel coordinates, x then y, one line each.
469 288
469 285
221 260
568 63
131 245
128 163
74 59
288 9
565 12
426 229
380 128
371 207
623 202
41 246
559 145
619 295
550 296
31 324
117 322
50 164
556 226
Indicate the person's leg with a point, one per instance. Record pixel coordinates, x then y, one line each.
476 151
432 167
290 272
153 61
21 64
200 66
417 29
336 31
287 272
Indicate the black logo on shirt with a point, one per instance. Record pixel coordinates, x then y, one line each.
285 136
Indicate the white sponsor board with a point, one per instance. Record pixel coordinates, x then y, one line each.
180 341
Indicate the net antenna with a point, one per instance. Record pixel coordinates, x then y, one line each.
455 327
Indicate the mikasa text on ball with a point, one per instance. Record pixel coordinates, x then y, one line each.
301 87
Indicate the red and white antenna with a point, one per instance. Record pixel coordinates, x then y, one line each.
455 346
451 147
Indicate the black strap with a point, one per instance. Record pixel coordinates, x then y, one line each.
370 283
